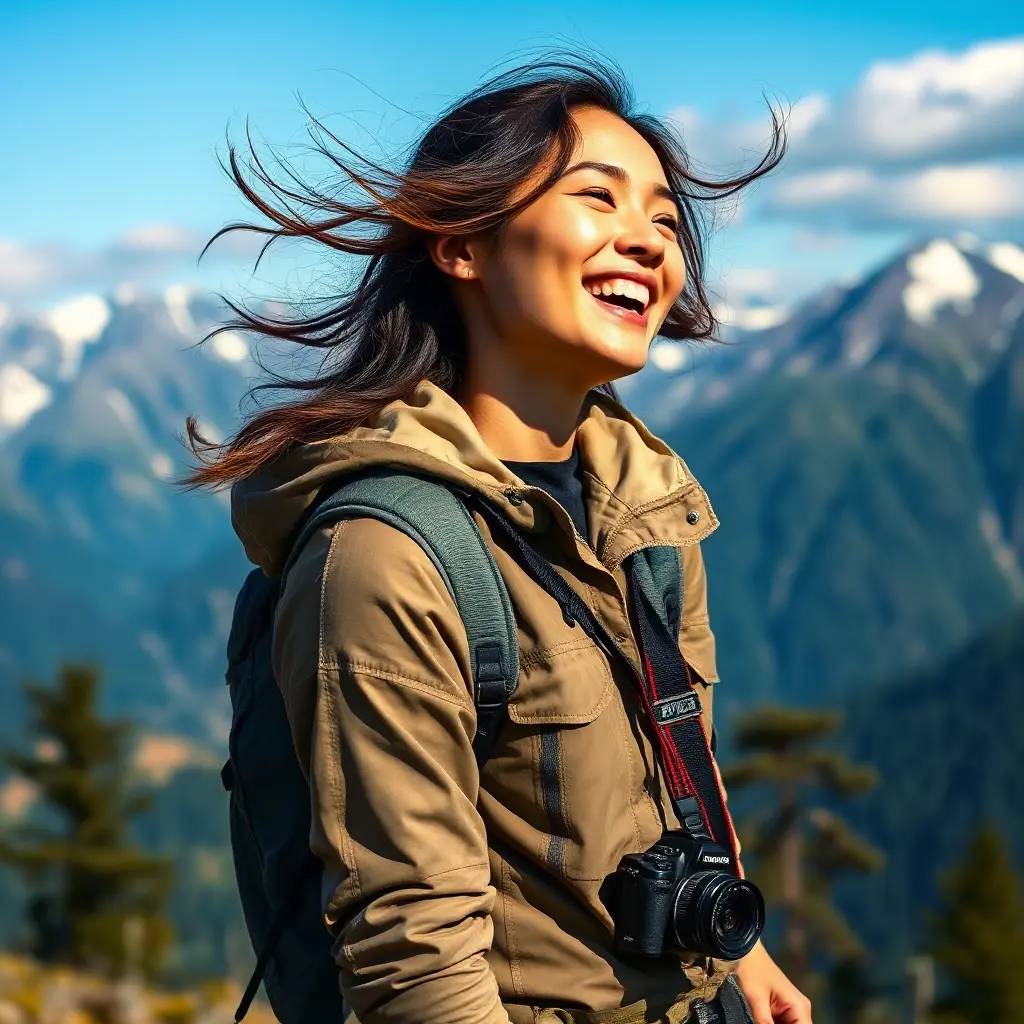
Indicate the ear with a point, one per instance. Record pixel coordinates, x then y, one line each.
453 255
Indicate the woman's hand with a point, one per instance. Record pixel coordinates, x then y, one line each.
773 998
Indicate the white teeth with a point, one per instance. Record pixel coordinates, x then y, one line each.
621 286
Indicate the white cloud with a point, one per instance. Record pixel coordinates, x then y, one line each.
808 240
933 140
30 270
807 114
26 268
974 194
752 318
722 147
160 238
823 188
743 282
932 107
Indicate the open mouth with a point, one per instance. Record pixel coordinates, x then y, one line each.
624 298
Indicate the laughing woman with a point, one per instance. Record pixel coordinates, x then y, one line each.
541 237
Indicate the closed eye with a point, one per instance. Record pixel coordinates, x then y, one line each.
606 197
598 193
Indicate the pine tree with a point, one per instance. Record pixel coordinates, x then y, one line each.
797 850
90 882
978 936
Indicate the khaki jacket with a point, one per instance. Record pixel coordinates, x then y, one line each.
458 896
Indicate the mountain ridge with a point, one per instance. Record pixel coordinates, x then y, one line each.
860 457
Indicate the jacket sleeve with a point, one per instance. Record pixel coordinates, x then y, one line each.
373 663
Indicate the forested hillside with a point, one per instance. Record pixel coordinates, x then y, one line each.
947 742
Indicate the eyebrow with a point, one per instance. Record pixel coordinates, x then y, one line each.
620 174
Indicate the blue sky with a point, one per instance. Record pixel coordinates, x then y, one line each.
112 115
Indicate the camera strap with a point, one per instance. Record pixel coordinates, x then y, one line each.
674 709
665 684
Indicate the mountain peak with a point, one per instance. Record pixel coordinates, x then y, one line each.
1008 258
939 275
77 322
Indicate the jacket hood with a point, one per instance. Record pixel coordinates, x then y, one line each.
629 471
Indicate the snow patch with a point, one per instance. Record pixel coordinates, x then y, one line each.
681 392
752 318
77 322
718 390
968 241
210 431
125 294
176 300
230 346
134 487
800 365
161 466
22 395
1002 551
760 359
668 356
861 344
1008 258
939 275
122 408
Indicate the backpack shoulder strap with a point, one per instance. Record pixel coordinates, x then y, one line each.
430 513
667 575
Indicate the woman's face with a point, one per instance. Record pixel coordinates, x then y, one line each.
580 282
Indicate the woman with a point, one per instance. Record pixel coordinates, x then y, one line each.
540 239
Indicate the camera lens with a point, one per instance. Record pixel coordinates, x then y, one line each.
718 914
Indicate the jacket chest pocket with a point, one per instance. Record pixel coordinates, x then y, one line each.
568 723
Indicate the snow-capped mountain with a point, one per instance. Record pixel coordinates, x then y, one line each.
864 457
953 299
865 460
93 399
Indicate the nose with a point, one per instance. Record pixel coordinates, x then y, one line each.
640 239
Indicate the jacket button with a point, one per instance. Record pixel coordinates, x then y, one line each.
693 516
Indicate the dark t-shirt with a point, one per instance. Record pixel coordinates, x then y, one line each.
562 480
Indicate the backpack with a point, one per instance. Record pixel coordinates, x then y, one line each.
279 879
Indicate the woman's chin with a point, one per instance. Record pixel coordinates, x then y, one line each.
620 360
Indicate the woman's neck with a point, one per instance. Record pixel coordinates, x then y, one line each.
523 417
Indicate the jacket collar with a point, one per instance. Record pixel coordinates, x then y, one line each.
638 492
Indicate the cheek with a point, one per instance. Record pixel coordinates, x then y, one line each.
675 275
544 258
560 235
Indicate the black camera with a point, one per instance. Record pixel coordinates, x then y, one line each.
683 895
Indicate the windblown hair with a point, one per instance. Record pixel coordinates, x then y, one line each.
468 174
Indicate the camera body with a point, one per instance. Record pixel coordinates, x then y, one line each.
683 895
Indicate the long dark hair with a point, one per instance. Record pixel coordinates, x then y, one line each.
400 324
